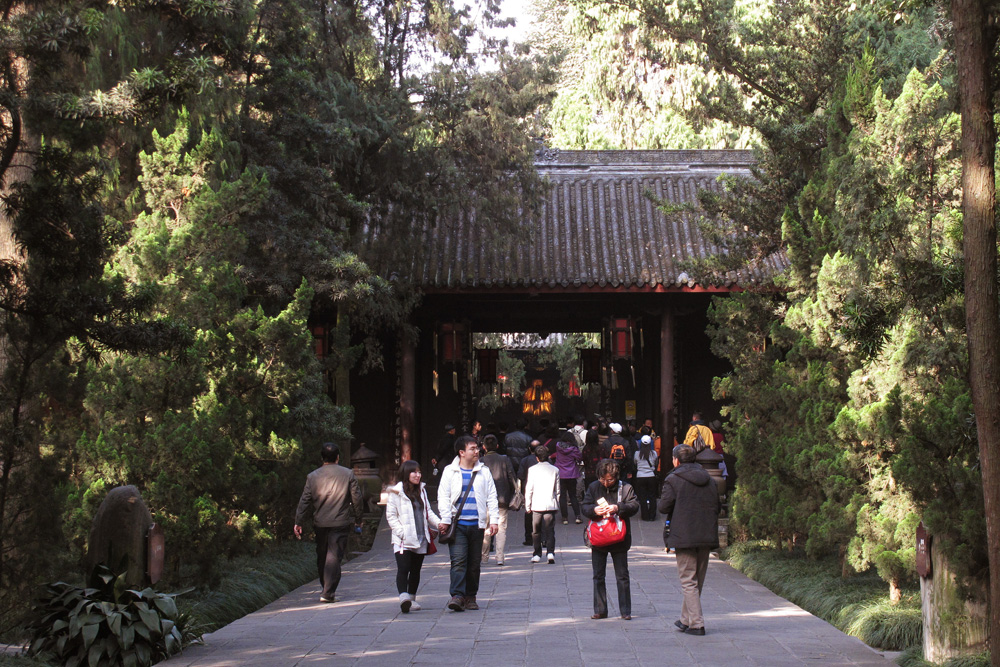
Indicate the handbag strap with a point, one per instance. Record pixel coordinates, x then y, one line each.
465 495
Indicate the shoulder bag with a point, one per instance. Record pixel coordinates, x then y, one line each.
516 501
448 536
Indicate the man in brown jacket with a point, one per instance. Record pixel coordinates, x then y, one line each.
332 495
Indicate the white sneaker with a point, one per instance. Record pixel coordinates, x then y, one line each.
551 558
405 602
413 603
536 559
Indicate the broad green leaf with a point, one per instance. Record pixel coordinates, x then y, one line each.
143 654
89 633
115 623
94 655
167 606
128 636
151 619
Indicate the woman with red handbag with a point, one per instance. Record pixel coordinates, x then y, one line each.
608 503
412 521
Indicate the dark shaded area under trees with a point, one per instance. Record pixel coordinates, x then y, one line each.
184 185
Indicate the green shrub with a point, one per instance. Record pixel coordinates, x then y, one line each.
108 625
914 657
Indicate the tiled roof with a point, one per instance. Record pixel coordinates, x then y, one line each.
597 227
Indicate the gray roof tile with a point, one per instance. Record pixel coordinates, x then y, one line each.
596 226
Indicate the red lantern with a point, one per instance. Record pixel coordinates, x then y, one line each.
621 338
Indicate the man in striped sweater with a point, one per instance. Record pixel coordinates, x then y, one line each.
467 475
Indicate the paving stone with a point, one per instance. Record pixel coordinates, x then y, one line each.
530 615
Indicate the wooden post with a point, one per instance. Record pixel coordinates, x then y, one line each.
667 379
407 392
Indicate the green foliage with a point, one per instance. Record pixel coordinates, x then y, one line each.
623 86
564 354
850 411
856 605
212 437
108 625
196 182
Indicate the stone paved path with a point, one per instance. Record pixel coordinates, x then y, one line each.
535 615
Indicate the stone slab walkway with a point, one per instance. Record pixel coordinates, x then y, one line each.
535 615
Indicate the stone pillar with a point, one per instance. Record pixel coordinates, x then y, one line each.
407 398
118 535
953 624
667 379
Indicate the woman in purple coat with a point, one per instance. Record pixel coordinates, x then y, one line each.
567 457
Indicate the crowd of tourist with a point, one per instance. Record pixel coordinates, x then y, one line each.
605 472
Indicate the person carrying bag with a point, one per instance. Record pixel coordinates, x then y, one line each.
447 536
413 525
613 502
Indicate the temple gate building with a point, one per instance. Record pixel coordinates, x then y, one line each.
602 259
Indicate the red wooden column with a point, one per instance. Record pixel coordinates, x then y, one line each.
667 379
407 402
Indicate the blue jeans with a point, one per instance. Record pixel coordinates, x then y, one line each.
466 560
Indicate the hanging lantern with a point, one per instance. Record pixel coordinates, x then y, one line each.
621 338
537 400
452 341
486 359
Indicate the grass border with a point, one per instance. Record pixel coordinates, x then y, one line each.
858 606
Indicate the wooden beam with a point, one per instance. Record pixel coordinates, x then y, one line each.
667 379
407 400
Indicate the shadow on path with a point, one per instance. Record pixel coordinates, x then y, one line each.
535 615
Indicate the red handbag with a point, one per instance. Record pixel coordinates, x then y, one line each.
606 532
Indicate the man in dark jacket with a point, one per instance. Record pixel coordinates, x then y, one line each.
691 500
518 442
446 449
504 478
333 497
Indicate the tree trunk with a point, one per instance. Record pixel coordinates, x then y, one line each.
342 376
895 592
974 41
953 624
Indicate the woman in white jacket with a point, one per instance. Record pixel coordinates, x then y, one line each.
411 518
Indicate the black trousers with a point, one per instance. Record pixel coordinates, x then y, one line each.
543 532
331 543
645 489
567 487
599 559
408 566
527 526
